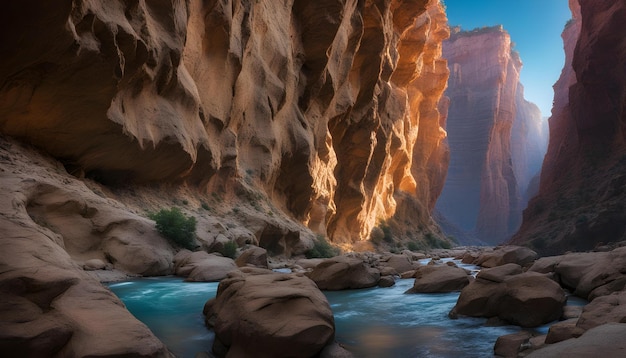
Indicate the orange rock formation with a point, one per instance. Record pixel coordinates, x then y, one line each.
328 108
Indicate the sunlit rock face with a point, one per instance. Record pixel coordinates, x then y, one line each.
490 129
329 108
581 197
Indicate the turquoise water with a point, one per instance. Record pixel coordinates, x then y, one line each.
172 309
375 322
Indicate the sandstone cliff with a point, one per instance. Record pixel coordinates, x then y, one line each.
581 198
326 110
491 128
268 121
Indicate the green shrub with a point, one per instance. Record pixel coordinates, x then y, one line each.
205 206
387 235
431 240
414 246
229 250
176 227
321 249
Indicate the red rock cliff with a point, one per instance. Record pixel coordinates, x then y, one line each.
490 128
328 109
581 198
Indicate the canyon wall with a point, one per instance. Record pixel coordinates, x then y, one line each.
269 122
491 128
328 110
580 204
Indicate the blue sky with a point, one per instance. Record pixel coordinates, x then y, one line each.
535 26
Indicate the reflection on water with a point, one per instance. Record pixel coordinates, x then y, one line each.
375 322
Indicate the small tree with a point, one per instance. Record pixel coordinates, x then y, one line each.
176 227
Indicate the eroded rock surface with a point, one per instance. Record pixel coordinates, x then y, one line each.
325 111
603 341
259 313
580 204
439 278
51 226
342 272
526 299
491 132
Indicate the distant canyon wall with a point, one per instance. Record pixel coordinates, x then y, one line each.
495 135
329 109
581 198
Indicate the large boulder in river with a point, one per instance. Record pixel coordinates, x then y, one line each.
200 266
259 313
505 255
439 278
526 299
341 273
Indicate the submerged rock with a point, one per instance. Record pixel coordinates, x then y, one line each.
259 313
341 272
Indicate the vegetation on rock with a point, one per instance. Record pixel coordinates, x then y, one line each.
322 249
176 227
229 249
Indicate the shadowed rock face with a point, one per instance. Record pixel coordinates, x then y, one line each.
490 130
330 108
581 196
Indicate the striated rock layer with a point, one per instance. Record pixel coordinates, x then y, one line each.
581 197
329 109
267 121
491 129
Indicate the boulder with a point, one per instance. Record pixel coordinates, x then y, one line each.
528 299
308 263
200 266
255 256
341 272
510 344
589 274
401 263
605 309
386 281
602 341
259 313
439 278
388 271
499 273
563 330
94 264
506 254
